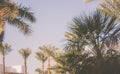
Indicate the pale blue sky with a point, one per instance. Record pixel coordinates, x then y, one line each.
53 18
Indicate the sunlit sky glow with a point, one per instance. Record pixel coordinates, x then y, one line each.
53 18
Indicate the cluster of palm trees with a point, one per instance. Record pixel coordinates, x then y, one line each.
5 48
91 41
91 46
45 53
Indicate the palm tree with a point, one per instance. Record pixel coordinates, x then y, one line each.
49 51
15 15
4 49
25 54
41 57
97 30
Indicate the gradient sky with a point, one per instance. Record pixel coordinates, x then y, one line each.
53 18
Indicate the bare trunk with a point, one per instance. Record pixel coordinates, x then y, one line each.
3 65
48 64
25 67
42 67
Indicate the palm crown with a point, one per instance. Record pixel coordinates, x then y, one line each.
15 15
5 48
41 56
25 53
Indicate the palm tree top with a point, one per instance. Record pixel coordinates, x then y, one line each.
48 49
25 53
41 56
5 48
17 15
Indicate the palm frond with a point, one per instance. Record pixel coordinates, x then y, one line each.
16 15
94 30
21 25
25 13
48 49
111 7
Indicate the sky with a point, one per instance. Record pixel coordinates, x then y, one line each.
53 18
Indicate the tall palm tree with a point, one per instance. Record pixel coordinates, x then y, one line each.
49 51
56 55
41 57
97 30
25 54
16 15
4 49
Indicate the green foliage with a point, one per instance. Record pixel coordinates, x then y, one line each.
96 30
90 48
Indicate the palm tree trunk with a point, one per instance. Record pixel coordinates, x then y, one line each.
2 25
3 64
42 67
57 68
99 68
25 67
48 64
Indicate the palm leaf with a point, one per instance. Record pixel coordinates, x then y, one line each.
21 25
25 13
